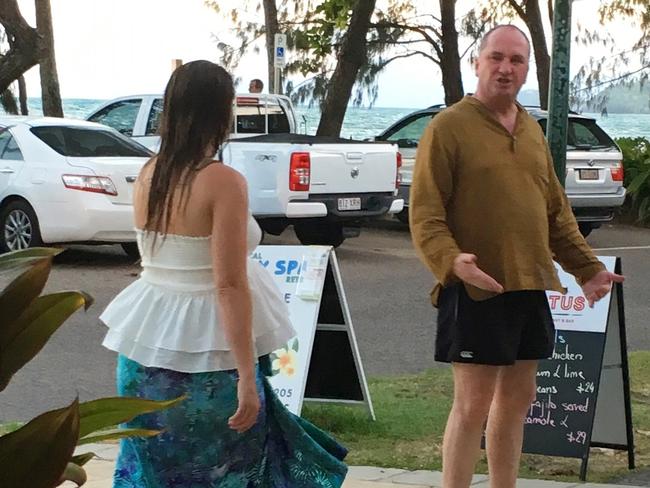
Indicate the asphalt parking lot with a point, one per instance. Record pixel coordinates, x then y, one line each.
386 286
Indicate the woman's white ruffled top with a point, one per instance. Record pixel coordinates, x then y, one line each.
168 318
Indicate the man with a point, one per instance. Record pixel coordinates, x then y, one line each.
255 86
488 216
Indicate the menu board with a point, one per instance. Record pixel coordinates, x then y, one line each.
560 420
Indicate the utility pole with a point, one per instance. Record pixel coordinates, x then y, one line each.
558 100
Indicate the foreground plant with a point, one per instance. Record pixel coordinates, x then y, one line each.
40 454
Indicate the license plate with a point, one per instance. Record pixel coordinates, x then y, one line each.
588 174
349 204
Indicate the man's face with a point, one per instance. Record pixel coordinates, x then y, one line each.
502 65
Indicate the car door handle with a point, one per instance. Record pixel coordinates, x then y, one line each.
7 170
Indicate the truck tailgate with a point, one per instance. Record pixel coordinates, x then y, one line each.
347 168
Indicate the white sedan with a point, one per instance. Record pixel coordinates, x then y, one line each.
66 181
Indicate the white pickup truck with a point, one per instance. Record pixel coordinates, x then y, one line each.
325 187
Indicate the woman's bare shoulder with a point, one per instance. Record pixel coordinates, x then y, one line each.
219 173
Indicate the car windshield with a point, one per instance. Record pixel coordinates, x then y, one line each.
585 135
89 142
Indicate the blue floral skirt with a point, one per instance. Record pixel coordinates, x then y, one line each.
197 448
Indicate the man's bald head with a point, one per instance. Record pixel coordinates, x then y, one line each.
486 37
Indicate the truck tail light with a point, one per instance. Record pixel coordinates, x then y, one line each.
398 174
618 174
299 171
93 184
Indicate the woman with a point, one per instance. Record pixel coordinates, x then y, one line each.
200 315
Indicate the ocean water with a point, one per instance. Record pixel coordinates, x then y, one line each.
365 123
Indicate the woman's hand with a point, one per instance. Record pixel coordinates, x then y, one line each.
248 406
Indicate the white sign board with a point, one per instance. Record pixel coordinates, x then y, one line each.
571 311
299 273
280 50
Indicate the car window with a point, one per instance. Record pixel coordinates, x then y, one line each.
408 135
251 117
86 142
12 151
120 115
584 134
153 122
5 137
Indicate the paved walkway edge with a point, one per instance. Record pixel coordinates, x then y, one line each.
100 473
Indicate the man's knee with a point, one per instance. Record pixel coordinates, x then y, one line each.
472 408
516 400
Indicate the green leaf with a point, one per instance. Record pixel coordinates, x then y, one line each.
112 434
17 296
638 182
31 331
74 473
108 412
81 459
295 345
36 455
644 209
25 257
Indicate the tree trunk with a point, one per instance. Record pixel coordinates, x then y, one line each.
25 49
352 56
533 20
50 92
452 80
22 95
8 102
271 22
22 88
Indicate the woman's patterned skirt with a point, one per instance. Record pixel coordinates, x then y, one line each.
197 449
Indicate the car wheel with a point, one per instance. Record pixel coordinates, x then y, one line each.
319 233
20 228
131 249
585 228
403 216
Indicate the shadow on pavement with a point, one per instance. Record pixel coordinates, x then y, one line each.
96 256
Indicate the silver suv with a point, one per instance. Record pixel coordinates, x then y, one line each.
594 172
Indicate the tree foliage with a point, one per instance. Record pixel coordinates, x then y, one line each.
614 64
315 31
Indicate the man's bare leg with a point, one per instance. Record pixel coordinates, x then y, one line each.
514 392
474 386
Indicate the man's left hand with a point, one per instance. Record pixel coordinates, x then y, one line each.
600 285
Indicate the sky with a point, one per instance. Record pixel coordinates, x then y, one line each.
110 48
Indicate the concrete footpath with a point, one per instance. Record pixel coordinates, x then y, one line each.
100 473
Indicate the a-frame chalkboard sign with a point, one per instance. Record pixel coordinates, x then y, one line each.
583 391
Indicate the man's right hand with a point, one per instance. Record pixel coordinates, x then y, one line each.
465 269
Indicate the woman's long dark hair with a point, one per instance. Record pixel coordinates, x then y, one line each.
196 119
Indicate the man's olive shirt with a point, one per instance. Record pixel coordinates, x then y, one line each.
479 189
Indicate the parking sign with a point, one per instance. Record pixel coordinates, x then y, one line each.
280 50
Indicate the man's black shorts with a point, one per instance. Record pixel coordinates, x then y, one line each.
499 331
